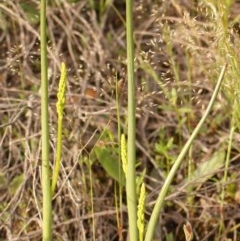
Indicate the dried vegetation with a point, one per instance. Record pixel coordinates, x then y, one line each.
178 57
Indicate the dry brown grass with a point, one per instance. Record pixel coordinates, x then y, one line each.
176 61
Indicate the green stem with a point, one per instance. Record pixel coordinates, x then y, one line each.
131 150
46 191
119 216
58 156
166 185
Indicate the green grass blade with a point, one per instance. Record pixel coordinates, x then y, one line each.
166 185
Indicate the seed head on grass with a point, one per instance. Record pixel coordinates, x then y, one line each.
124 153
60 107
140 212
62 91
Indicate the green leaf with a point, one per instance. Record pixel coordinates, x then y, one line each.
207 169
110 163
31 11
16 183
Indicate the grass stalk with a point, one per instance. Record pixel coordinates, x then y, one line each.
225 175
120 190
92 200
46 190
131 148
227 163
166 185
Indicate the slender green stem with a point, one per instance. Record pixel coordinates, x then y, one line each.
166 185
120 190
224 179
131 172
58 156
46 190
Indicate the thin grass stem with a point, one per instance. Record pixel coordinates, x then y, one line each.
120 189
131 147
46 190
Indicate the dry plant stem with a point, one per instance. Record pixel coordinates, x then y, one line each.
131 148
92 203
46 190
166 185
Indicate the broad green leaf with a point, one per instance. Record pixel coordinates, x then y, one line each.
109 162
207 169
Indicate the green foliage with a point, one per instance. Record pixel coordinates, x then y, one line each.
163 150
163 147
207 169
178 161
232 188
16 183
108 159
170 237
31 11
